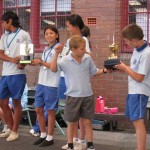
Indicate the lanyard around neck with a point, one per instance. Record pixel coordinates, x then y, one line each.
48 49
8 44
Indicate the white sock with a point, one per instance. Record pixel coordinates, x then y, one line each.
43 135
75 139
82 142
5 126
49 137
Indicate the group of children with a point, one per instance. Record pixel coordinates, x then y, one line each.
76 67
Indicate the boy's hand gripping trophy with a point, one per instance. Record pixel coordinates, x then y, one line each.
113 58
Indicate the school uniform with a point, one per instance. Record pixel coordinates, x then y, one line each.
46 91
138 92
62 85
13 79
80 101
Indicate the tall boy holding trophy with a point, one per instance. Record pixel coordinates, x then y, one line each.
138 80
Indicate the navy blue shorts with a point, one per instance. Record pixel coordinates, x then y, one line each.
12 86
136 106
46 96
62 88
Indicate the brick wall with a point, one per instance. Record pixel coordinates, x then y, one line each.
112 87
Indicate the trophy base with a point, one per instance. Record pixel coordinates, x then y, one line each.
110 63
25 61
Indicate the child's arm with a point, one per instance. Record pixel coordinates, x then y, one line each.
136 76
94 71
14 60
4 57
101 71
53 64
47 65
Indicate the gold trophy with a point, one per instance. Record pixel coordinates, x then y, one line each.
113 58
26 53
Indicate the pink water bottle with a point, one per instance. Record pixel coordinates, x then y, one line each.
97 105
102 104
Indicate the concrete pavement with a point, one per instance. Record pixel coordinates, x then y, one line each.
103 141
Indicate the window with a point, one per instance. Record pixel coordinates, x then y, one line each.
20 7
54 12
47 12
138 11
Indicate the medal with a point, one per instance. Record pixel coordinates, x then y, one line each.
44 67
7 52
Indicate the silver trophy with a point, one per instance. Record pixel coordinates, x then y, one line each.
26 53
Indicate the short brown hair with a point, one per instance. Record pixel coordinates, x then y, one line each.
75 41
133 31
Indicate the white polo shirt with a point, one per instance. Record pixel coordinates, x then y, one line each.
10 44
140 63
77 76
46 76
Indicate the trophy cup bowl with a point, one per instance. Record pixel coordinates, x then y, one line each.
27 53
113 58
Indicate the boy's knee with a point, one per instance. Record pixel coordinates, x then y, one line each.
138 122
4 106
16 103
87 122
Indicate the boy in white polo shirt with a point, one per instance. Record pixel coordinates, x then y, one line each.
13 78
78 67
138 80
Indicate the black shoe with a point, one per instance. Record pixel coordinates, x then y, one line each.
46 143
37 142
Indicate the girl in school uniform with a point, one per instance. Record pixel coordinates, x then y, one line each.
46 91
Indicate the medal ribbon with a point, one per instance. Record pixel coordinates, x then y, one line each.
50 49
8 44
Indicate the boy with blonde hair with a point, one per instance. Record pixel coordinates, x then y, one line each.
78 67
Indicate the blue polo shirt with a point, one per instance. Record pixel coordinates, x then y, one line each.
77 76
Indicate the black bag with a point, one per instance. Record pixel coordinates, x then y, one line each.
101 125
110 63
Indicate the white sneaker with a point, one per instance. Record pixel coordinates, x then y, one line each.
64 147
80 146
91 148
6 133
75 142
5 128
13 136
34 133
